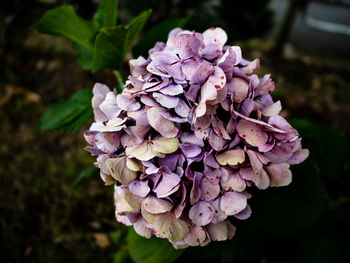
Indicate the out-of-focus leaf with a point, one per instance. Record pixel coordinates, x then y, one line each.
63 21
85 56
121 256
68 115
117 236
157 33
106 14
324 246
287 209
153 250
329 150
113 43
85 175
109 48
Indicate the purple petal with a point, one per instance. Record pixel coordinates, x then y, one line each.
165 100
209 191
201 213
139 188
232 203
252 133
172 90
127 103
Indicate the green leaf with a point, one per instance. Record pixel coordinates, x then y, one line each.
109 48
113 43
153 250
287 209
117 236
85 175
85 56
106 15
121 256
158 33
329 150
63 21
68 115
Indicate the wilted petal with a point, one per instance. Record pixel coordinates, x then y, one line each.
219 215
211 51
148 101
254 161
181 206
165 145
195 193
219 231
231 157
196 236
280 174
192 92
156 205
141 228
165 127
209 190
139 188
110 107
252 133
142 152
201 213
127 102
166 101
215 141
219 128
299 156
126 201
202 73
252 67
169 226
167 185
182 109
138 66
169 161
272 109
239 88
266 86
120 172
215 35
244 214
234 182
232 203
172 90
190 150
210 160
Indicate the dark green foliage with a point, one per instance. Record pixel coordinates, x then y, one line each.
68 115
63 21
240 19
85 175
153 250
112 43
159 33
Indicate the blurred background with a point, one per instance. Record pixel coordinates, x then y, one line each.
304 44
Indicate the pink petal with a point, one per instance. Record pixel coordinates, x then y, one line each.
232 203
252 133
201 213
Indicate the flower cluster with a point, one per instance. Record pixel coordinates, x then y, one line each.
193 129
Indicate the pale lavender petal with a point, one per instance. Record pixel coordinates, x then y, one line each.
165 100
139 188
232 203
201 213
172 90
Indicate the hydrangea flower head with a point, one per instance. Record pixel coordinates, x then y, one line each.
192 131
